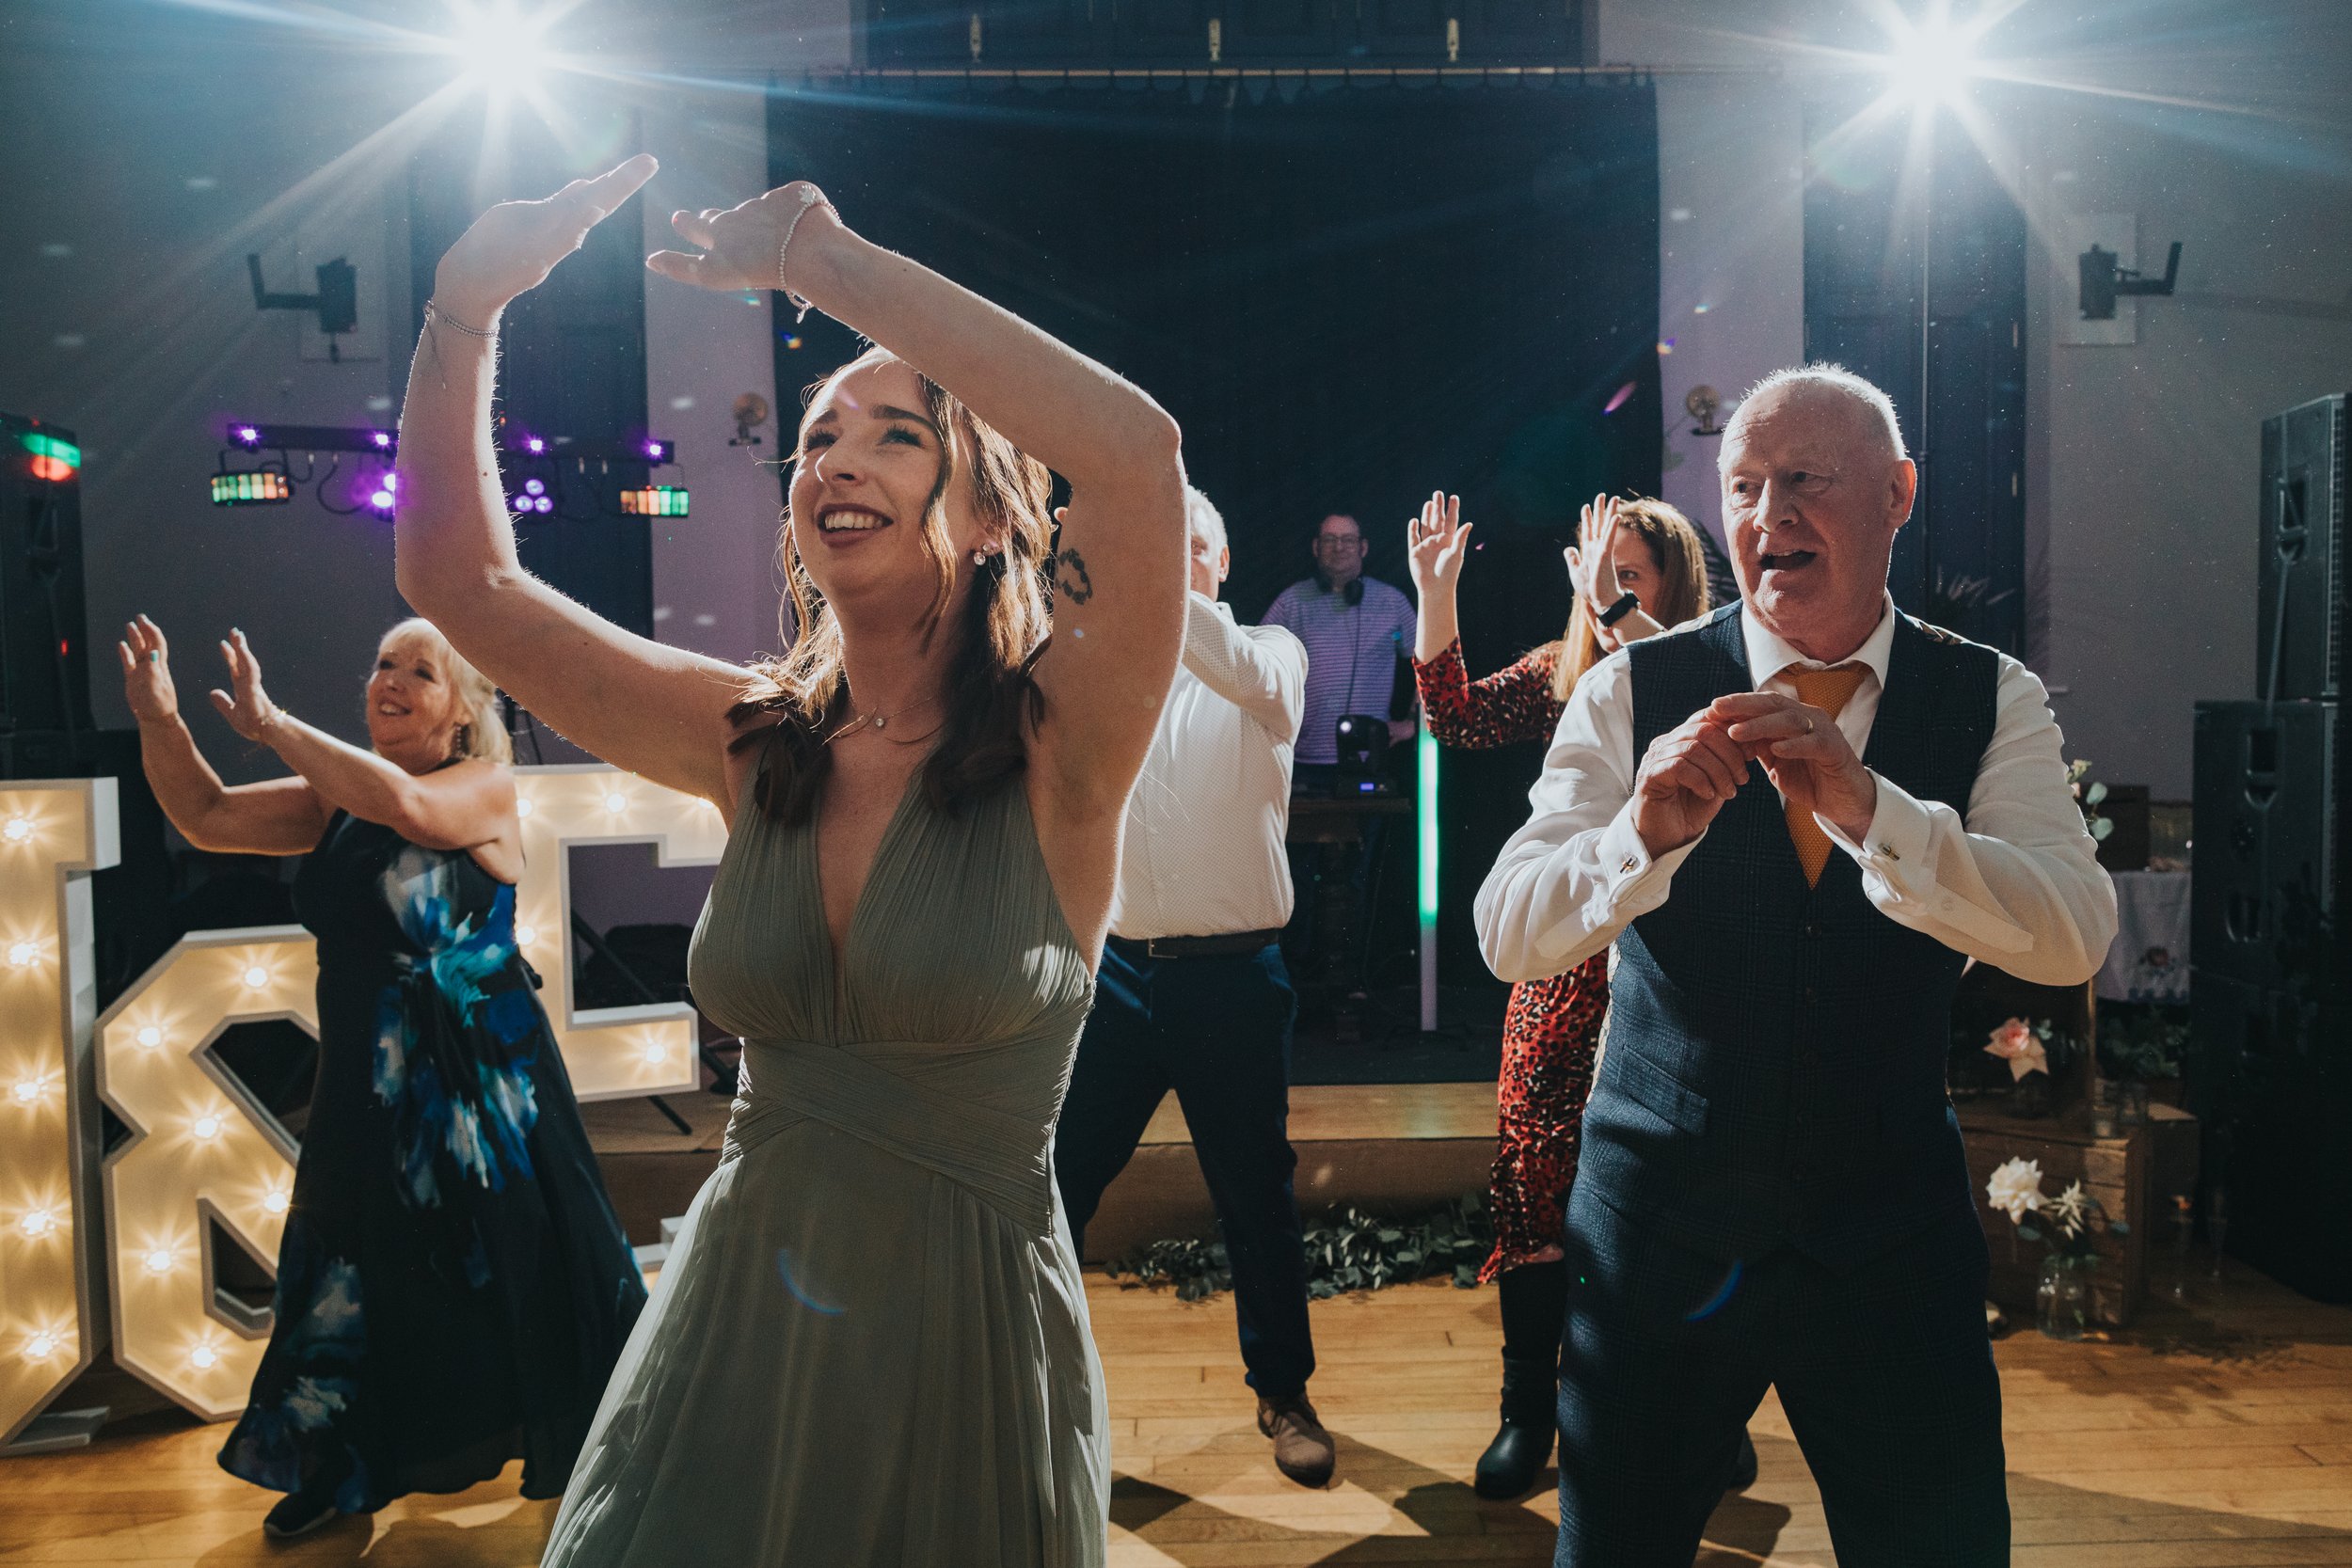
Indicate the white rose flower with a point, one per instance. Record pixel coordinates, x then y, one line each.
2015 1188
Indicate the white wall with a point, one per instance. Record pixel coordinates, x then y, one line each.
2141 490
2223 125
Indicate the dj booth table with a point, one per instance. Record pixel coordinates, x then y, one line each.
1338 826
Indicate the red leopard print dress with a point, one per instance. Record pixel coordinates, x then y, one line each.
1553 1027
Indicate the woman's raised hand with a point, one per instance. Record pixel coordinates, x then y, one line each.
1589 558
249 712
512 247
1438 544
147 672
746 246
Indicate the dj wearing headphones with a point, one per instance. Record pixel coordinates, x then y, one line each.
1356 629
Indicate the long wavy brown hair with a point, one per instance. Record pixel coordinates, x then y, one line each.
1681 563
798 702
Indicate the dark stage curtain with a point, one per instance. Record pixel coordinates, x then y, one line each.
1348 292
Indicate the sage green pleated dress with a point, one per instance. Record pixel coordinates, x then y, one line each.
869 1344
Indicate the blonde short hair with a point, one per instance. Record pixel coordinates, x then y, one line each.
482 730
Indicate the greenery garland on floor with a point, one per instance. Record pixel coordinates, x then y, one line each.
1349 1250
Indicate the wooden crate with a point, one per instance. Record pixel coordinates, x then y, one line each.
2116 1171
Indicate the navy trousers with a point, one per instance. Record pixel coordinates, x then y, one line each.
1218 1031
1885 1372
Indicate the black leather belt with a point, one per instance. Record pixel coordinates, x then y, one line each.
1198 948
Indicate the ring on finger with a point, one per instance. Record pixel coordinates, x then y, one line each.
1808 723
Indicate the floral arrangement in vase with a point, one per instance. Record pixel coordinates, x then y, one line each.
2068 1226
2035 1051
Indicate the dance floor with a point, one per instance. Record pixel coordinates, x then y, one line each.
2219 1437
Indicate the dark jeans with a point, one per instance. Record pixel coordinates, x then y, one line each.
1218 1031
1885 1373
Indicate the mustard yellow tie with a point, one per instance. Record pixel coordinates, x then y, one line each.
1829 690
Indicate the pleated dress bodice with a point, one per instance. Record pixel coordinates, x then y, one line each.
945 1036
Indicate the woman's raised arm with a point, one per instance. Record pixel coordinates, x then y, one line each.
1119 613
638 704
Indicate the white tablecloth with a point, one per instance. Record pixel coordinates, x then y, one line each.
2149 961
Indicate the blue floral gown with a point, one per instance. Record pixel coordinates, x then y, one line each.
453 1288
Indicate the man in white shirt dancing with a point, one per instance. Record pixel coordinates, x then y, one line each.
1772 1191
1193 995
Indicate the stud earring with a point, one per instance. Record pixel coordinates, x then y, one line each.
980 558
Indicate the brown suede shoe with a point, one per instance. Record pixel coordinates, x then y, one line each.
1302 1449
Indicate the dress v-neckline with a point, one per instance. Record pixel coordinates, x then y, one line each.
838 960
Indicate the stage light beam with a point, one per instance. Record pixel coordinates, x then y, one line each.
1931 62
500 49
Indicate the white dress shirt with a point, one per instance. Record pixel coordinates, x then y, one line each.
1202 851
2014 883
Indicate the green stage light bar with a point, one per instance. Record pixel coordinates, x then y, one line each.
260 487
1426 815
656 501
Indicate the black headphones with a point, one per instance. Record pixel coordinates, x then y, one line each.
1353 593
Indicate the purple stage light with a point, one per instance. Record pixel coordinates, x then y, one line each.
535 487
655 451
533 444
381 500
391 481
383 438
518 504
543 503
247 436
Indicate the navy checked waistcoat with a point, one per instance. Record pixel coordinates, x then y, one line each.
1774 1067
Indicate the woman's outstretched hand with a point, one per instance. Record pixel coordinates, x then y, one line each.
744 248
1438 544
147 672
1592 570
512 247
249 712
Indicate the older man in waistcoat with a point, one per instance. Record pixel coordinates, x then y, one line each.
1798 820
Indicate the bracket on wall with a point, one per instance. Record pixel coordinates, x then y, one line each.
337 301
2104 280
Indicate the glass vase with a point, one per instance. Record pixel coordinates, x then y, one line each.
2061 1300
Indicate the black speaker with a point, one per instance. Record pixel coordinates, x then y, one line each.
2271 1075
45 668
2270 833
2299 651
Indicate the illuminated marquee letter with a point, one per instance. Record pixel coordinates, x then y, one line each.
610 1052
201 1150
53 835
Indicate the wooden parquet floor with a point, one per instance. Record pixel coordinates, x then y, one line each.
2218 1436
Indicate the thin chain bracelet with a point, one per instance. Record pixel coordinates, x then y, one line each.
435 315
433 312
810 196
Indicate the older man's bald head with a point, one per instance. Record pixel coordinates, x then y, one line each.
1830 392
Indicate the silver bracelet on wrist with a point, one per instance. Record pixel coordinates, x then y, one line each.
810 196
433 312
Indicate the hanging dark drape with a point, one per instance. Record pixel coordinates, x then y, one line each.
1348 294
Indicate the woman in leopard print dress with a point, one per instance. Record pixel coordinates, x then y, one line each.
1647 551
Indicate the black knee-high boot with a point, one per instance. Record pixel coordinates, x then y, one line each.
1535 1307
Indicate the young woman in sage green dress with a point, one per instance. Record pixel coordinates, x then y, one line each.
869 1345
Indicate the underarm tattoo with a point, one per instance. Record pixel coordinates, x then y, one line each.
1070 577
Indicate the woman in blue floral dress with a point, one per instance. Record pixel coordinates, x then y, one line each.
453 1286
